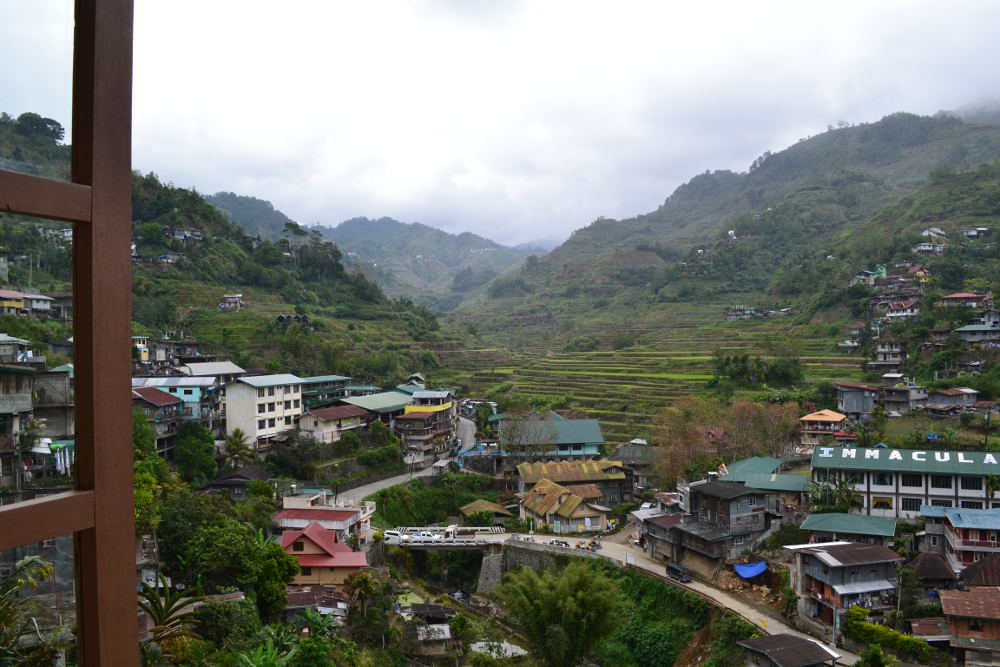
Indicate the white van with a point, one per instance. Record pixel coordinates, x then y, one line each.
394 536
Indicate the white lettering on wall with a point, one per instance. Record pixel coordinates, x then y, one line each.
962 459
942 457
826 451
848 453
871 454
989 458
919 456
894 455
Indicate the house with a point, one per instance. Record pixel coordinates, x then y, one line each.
823 424
53 402
919 273
562 511
322 390
970 534
659 535
985 335
896 483
434 640
990 318
38 305
386 404
975 232
902 397
299 509
641 461
163 412
61 306
973 619
967 300
183 234
984 572
940 334
608 476
330 423
323 559
12 303
863 277
907 308
889 355
481 506
724 519
855 400
787 650
934 233
790 491
837 526
831 578
926 248
236 482
16 385
263 406
14 350
933 571
548 437
951 402
201 396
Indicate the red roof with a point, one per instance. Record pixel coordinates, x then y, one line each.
157 397
337 412
338 554
10 294
964 295
980 602
315 515
903 304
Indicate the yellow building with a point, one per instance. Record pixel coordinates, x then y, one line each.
323 559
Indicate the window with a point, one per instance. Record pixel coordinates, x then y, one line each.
976 624
270 422
739 505
305 571
972 505
911 480
270 391
260 408
911 504
752 501
738 539
288 420
972 483
940 482
298 546
882 479
261 423
188 392
755 519
938 502
288 405
855 477
260 393
934 540
296 402
270 407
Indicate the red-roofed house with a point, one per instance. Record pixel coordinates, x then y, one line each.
909 308
323 558
300 509
163 412
328 424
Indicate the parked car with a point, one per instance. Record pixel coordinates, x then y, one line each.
678 572
426 536
394 536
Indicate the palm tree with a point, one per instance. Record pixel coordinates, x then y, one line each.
235 451
363 585
265 655
167 612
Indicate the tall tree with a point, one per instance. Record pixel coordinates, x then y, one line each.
236 451
195 453
564 614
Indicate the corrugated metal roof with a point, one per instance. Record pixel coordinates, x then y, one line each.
386 401
174 381
724 490
984 572
258 381
776 482
337 412
157 397
824 416
851 524
906 460
316 379
788 650
864 587
212 368
853 553
978 603
481 505
738 470
931 566
431 394
967 518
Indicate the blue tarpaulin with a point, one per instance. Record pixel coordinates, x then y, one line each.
750 570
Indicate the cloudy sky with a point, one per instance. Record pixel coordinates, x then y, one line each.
517 120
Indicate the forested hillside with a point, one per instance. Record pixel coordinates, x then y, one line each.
188 255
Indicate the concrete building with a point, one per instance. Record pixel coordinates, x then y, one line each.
724 519
263 406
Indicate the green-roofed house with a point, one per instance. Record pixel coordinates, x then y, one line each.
549 437
790 490
322 390
838 526
755 465
386 404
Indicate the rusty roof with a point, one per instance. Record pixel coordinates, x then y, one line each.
788 650
337 412
853 553
571 471
980 602
931 566
157 397
481 505
585 491
984 572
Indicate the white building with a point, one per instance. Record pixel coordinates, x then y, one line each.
263 405
896 482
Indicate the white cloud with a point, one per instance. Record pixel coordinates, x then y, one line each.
516 120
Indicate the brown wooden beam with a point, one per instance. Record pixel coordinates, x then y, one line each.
45 518
43 197
101 158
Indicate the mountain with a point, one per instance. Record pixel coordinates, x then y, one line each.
788 206
257 217
423 263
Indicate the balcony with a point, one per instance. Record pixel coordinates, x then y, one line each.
972 545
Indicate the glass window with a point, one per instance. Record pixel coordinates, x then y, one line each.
270 407
882 479
972 505
972 483
882 503
752 501
261 423
296 402
911 480
306 571
270 391
260 408
854 477
941 482
288 405
938 502
298 546
288 420
911 504
270 422
260 393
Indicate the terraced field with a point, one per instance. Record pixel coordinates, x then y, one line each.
625 388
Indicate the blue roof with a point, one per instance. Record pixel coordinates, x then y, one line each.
932 511
966 518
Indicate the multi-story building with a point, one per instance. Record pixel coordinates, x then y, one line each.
53 402
300 508
225 371
902 397
897 482
200 396
724 519
323 390
428 422
823 424
609 477
329 424
16 383
889 355
973 625
262 406
968 535
833 577
855 400
164 413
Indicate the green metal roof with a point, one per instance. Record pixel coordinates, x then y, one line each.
324 378
769 482
906 460
850 524
386 401
738 470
